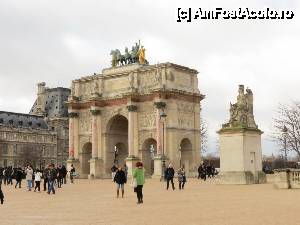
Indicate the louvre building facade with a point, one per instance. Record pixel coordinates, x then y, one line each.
39 137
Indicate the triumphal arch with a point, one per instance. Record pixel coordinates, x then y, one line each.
135 112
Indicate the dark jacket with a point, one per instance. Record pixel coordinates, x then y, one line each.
52 174
64 171
19 175
120 177
169 173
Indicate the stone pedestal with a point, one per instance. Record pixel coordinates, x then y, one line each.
96 168
240 156
158 166
130 162
75 162
245 177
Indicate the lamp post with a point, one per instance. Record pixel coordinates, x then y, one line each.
179 151
162 117
284 132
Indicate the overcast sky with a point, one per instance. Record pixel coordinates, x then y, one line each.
57 41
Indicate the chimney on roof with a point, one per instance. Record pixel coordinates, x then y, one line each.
40 103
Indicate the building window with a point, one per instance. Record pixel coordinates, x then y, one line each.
5 162
15 149
4 149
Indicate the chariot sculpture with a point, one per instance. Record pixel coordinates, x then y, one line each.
136 55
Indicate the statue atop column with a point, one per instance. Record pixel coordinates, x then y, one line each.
241 112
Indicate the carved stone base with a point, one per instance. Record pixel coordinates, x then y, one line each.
159 162
96 168
75 163
130 162
242 177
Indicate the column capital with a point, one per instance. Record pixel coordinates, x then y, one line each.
73 114
160 104
131 108
95 112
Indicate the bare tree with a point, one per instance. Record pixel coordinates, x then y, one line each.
203 135
287 127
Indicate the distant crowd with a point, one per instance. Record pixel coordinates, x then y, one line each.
51 176
119 176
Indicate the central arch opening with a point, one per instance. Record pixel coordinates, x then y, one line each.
117 141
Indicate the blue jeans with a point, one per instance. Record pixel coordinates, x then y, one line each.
29 184
51 186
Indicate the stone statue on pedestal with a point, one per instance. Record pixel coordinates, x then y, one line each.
240 144
241 112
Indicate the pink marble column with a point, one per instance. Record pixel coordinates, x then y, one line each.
72 116
131 111
159 106
94 113
158 132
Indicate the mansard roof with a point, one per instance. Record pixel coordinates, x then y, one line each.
55 99
22 120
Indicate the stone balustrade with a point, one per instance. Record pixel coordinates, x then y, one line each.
287 178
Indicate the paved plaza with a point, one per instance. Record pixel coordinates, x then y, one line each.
93 202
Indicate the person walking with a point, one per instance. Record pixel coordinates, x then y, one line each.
5 175
59 176
10 175
199 171
37 179
139 176
113 172
170 176
126 170
51 178
19 176
29 173
120 179
1 193
45 176
64 174
72 173
181 177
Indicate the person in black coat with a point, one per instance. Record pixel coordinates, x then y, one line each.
169 173
19 176
64 174
120 180
1 193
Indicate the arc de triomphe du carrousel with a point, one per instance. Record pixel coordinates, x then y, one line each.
133 112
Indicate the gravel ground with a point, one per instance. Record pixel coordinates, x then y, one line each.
202 203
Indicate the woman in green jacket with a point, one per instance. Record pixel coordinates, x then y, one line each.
139 176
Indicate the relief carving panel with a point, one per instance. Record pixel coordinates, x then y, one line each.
147 120
84 122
